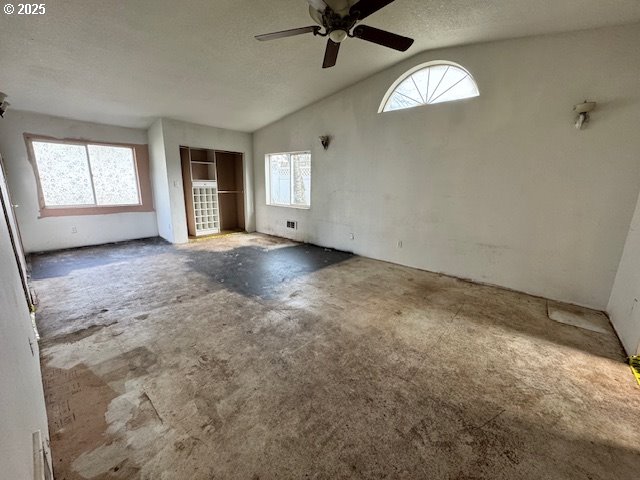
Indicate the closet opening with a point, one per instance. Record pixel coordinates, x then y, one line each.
214 190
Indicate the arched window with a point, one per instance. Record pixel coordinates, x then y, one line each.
433 82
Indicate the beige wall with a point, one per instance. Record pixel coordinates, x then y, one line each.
500 188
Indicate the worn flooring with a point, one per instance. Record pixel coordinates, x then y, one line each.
252 357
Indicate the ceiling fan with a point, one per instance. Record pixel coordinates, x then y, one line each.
341 23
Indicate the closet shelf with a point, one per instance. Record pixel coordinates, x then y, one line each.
213 189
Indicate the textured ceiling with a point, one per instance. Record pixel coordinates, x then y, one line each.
129 62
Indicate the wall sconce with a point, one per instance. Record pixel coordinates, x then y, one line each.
4 106
325 140
583 110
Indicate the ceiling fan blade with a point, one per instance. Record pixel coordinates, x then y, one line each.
287 33
331 54
319 5
364 8
382 37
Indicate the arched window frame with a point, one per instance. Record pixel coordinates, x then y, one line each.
415 69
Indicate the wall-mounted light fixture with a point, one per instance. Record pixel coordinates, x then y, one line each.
4 105
325 140
583 110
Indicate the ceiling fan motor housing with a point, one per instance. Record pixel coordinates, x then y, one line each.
337 26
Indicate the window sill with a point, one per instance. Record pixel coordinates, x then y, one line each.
78 211
297 207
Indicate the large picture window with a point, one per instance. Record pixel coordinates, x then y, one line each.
76 174
288 179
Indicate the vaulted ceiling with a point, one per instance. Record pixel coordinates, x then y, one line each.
129 62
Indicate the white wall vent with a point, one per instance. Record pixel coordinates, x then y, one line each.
292 224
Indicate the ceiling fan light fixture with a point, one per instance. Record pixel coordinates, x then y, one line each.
338 36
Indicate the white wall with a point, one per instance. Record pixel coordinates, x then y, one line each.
172 219
53 233
21 395
160 180
499 189
623 309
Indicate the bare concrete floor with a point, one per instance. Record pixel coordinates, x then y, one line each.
249 357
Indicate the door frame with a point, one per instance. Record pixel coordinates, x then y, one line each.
8 209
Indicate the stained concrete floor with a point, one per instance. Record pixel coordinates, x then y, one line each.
251 357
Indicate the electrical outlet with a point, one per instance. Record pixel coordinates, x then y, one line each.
352 236
74 230
292 224
399 245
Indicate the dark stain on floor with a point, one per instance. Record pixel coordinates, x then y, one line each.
252 357
63 262
253 271
247 270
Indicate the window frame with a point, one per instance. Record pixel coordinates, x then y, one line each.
434 63
141 165
267 175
